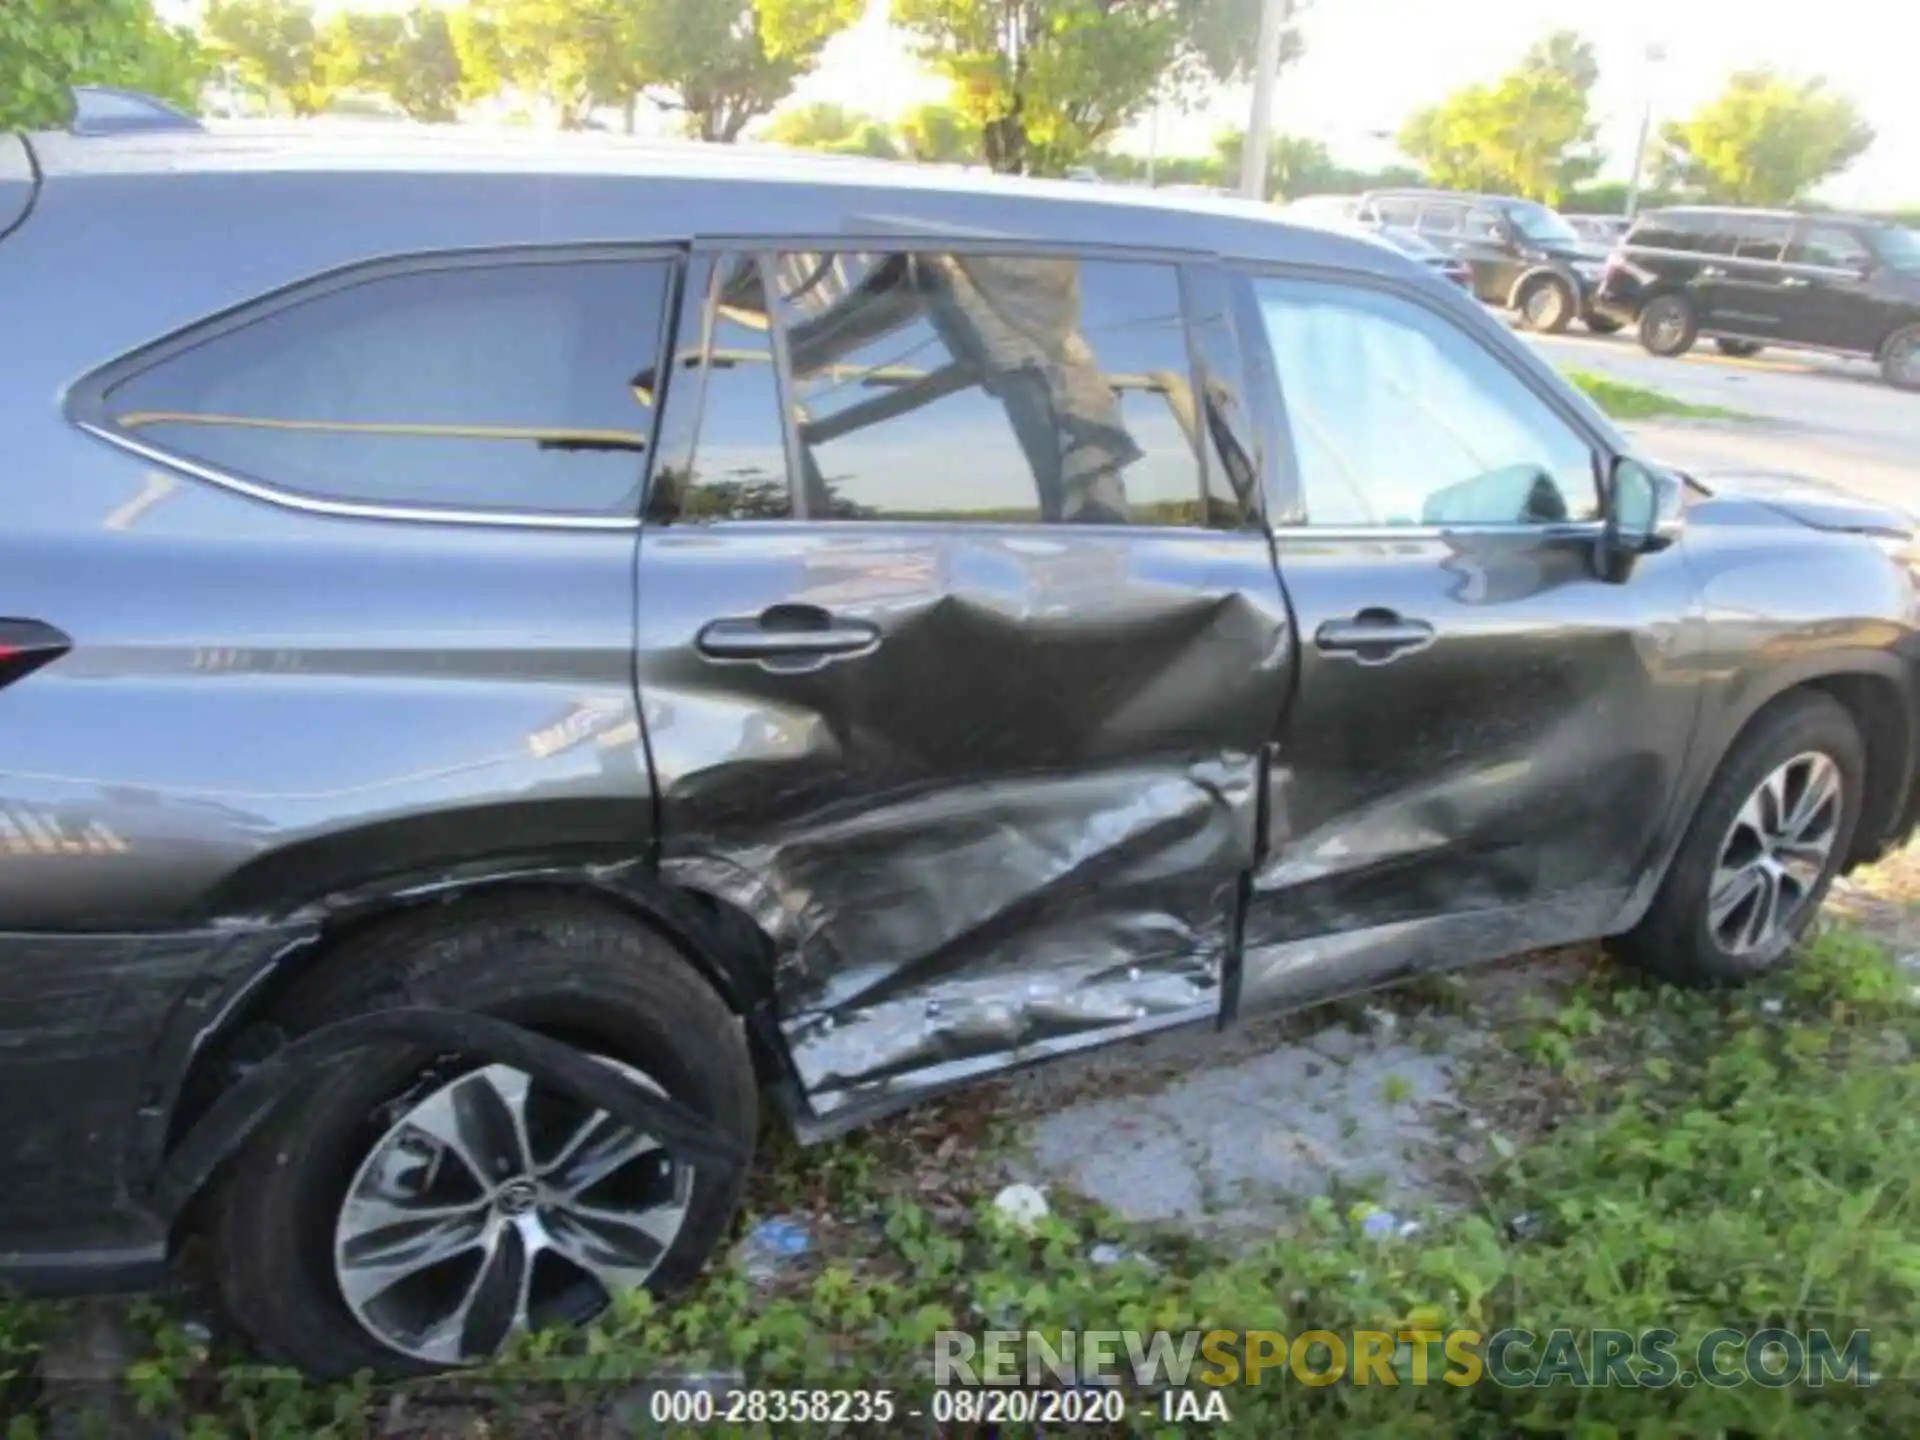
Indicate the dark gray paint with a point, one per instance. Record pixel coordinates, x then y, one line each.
1038 815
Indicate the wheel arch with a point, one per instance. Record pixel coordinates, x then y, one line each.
236 1033
1543 271
1902 327
1872 688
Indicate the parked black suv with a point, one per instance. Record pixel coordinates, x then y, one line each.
1525 257
516 649
1751 278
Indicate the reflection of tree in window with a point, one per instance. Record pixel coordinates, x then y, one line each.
739 468
919 329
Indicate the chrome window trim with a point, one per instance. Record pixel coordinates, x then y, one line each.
85 407
1551 530
355 510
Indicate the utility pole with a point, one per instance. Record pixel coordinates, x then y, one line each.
1655 54
1266 64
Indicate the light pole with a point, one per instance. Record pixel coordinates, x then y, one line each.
1266 62
1655 54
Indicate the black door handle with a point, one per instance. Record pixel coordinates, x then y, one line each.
787 637
1374 636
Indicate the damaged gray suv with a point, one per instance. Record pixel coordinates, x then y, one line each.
516 654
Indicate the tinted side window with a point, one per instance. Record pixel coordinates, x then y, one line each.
737 466
1399 418
1751 237
1829 245
1669 231
1397 210
1483 224
1440 220
506 386
1233 464
989 388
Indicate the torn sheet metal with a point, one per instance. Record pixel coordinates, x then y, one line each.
985 925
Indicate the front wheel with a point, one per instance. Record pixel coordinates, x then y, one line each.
1769 836
1738 349
1668 325
1900 360
1547 305
422 1209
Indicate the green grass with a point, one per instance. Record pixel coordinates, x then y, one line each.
1639 402
1687 1161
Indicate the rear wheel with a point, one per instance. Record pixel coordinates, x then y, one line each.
1900 360
1668 325
422 1209
1738 349
1547 305
1771 833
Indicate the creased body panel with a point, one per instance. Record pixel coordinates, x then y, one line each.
1522 764
1016 825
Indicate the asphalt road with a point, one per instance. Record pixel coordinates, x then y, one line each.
1829 419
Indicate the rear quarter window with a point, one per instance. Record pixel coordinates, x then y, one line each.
511 386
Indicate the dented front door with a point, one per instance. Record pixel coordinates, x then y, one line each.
959 682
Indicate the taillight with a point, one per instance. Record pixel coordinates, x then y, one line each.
26 645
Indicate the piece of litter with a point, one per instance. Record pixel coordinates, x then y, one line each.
1380 1224
1772 1005
1106 1253
772 1246
1524 1226
1024 1205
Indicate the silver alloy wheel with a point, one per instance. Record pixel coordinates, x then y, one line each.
1775 853
1903 359
493 1206
1543 305
1669 326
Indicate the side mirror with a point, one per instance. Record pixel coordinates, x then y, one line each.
1646 509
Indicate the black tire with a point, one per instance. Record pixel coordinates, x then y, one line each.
1546 305
1738 349
1600 324
1675 941
1900 359
1668 325
569 968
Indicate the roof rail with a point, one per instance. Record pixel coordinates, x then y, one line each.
109 110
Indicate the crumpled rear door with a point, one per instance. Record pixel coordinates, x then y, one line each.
960 682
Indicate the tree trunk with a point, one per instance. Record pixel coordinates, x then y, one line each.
1004 142
629 112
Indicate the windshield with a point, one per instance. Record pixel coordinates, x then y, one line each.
1897 247
1542 225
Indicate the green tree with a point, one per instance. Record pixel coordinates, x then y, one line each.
940 133
721 64
1295 165
48 45
1047 82
409 57
552 52
1765 140
834 128
275 49
1530 133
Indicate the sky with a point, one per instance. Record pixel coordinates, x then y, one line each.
1370 63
